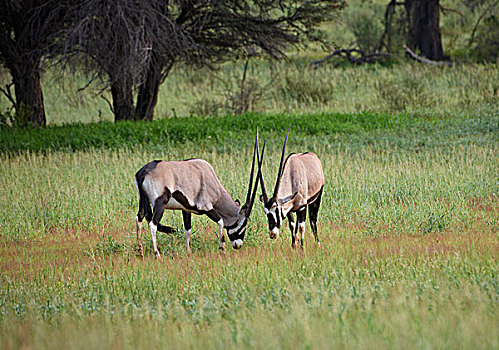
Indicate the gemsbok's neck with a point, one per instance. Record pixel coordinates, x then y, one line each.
227 209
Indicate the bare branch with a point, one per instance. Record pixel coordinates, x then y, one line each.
482 15
446 9
354 56
108 103
8 93
425 60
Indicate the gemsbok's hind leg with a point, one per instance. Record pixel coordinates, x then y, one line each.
157 214
138 224
186 216
313 210
301 215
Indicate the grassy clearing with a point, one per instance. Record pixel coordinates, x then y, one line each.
374 293
409 228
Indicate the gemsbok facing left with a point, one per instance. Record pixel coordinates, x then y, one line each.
191 186
299 185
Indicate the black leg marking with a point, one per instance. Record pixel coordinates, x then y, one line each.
313 211
159 209
157 214
213 216
291 222
301 215
218 219
186 216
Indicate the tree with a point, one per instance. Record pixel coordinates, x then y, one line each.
424 28
132 43
26 29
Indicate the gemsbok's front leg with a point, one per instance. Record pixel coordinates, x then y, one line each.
301 215
215 217
221 234
186 216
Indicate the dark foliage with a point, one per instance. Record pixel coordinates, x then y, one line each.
26 30
134 44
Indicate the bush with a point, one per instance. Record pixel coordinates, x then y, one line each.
365 22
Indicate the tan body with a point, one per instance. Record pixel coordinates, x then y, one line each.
302 178
196 180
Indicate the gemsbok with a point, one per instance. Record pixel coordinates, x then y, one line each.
299 185
193 187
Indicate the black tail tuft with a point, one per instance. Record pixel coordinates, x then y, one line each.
144 205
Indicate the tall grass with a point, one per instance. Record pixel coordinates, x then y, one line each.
377 187
341 295
408 258
408 223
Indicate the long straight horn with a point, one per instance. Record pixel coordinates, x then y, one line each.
248 195
259 175
281 166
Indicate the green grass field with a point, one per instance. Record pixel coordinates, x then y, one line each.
408 223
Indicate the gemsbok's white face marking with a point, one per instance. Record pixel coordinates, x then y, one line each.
238 243
274 218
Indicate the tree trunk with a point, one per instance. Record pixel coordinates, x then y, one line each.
147 97
29 96
122 94
424 28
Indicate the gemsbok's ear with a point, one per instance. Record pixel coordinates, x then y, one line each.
238 202
262 198
287 199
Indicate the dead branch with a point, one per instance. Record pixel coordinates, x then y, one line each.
425 60
446 9
8 93
108 103
482 15
354 56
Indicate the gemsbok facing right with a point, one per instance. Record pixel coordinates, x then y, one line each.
193 187
299 185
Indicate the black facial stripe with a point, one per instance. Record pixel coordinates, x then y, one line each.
239 234
234 225
275 221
